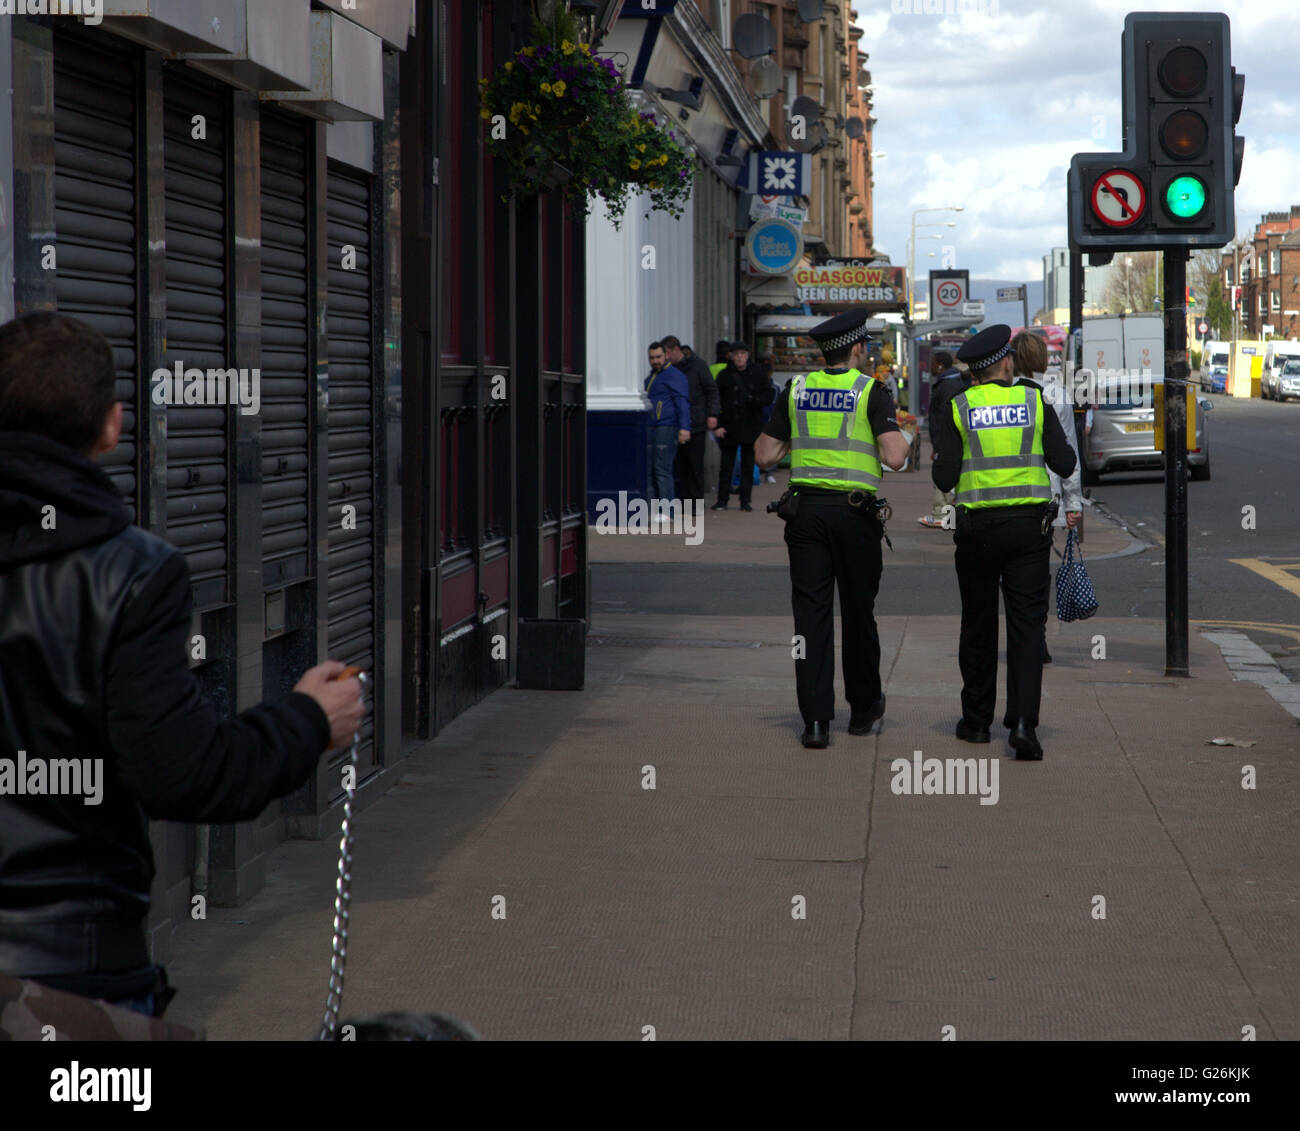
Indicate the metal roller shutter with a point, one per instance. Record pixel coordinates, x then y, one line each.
197 331
286 361
352 552
95 217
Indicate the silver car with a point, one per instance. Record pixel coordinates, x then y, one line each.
1283 384
1123 438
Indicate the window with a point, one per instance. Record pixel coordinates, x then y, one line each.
1277 300
1276 256
791 89
1263 309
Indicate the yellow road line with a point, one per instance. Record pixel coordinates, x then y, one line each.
1291 630
1267 570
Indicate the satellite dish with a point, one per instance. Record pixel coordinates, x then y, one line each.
765 76
811 10
855 127
810 111
753 36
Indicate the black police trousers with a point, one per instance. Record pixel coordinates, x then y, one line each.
1014 552
830 544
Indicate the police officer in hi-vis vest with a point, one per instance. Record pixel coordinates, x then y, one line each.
838 425
996 441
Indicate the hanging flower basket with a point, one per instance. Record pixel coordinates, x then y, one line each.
559 117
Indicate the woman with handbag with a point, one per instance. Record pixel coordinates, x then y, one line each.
1031 364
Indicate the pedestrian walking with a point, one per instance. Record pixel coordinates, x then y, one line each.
670 419
996 445
95 624
721 350
839 427
744 393
703 392
947 382
1031 364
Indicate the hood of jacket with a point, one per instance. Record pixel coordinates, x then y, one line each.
37 474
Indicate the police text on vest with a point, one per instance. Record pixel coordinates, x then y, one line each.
827 400
998 416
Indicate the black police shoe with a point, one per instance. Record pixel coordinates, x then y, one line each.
1025 742
817 735
746 507
970 732
719 507
861 722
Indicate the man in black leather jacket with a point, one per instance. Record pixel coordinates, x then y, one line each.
94 631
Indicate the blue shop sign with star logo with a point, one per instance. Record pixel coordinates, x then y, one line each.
777 173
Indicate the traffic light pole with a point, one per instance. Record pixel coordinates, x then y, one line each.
1175 424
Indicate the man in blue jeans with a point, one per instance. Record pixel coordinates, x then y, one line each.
670 419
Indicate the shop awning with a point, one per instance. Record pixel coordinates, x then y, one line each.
768 292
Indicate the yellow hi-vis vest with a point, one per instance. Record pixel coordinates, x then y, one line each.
831 442
1002 459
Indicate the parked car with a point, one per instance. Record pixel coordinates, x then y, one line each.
1216 381
1282 385
1122 438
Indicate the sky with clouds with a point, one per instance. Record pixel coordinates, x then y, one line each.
984 108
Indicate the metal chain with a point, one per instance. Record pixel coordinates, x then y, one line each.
342 897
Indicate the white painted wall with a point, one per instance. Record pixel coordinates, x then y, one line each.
629 306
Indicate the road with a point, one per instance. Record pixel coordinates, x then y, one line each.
1255 463
1244 530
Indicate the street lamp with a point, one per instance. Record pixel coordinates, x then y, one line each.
908 374
911 264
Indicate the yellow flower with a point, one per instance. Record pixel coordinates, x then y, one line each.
510 66
485 113
654 184
585 48
558 89
566 47
641 148
530 51
546 87
524 128
634 163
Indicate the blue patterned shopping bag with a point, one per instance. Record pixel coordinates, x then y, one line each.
1075 599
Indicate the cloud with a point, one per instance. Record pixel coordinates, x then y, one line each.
985 111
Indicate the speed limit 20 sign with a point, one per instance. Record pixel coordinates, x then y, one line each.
949 292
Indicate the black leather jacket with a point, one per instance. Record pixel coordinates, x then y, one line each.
94 625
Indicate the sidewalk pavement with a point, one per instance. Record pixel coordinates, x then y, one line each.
674 907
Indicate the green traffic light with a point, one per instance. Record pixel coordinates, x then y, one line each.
1185 197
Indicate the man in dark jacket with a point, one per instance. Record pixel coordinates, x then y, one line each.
704 417
102 724
744 393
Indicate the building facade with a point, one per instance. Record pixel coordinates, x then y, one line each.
657 275
302 191
1267 271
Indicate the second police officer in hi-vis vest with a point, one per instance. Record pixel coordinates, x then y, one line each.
838 425
995 444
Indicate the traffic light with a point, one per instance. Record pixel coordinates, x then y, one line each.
1173 183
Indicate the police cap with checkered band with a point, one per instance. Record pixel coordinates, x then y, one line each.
986 348
842 330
